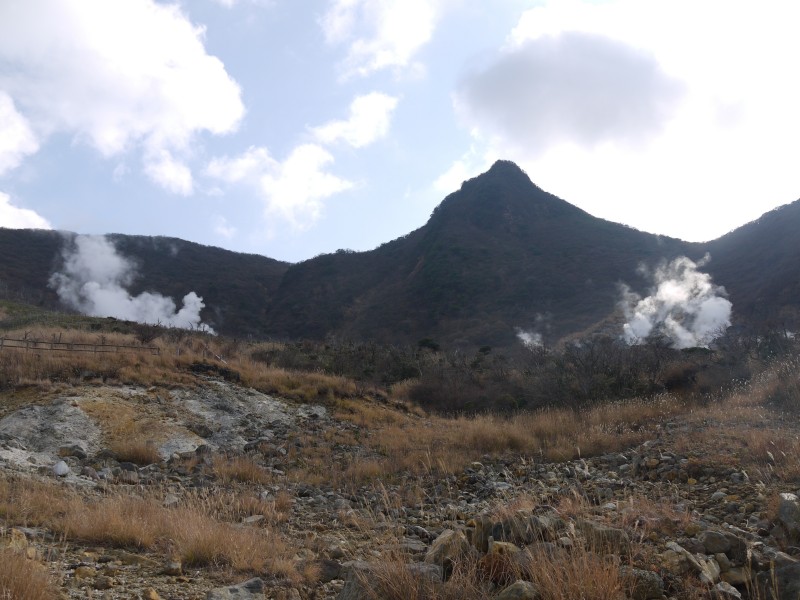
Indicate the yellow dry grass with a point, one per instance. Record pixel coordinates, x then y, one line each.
24 579
199 531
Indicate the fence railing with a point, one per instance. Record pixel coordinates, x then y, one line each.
53 345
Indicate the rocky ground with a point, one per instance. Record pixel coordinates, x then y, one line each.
671 515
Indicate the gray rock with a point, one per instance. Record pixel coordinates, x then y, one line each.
75 450
249 590
714 542
603 539
447 549
61 469
789 516
644 585
519 590
726 591
781 584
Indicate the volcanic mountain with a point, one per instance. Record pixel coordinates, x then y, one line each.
498 255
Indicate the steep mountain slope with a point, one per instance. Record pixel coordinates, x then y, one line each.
498 254
759 265
236 287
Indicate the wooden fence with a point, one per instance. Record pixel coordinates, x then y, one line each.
53 345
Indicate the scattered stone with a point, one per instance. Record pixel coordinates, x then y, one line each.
645 585
173 567
84 572
251 589
61 469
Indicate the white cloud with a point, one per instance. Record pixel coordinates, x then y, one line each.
169 173
369 120
224 229
722 153
292 190
380 33
116 75
296 189
575 86
13 217
17 140
248 165
468 166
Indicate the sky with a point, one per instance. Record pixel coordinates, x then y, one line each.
292 128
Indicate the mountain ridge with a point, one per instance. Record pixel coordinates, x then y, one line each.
498 255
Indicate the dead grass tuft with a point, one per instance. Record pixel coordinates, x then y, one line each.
242 469
23 579
138 452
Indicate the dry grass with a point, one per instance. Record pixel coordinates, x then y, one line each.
242 469
580 574
406 442
136 451
200 531
23 579
177 351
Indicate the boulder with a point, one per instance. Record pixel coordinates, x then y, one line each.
249 590
644 585
519 590
603 539
449 548
781 584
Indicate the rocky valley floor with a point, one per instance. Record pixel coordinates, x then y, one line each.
216 491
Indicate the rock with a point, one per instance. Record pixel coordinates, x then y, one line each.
75 450
519 590
173 567
328 570
603 539
103 583
90 472
129 477
726 591
644 585
251 589
479 530
789 516
714 542
675 562
84 572
709 570
61 469
781 584
448 549
739 576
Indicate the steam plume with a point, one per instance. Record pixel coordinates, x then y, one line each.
684 305
94 279
533 338
530 339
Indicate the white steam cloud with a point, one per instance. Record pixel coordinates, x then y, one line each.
94 279
530 339
684 305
